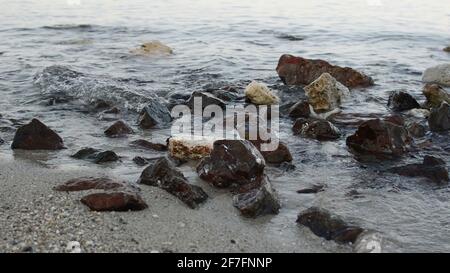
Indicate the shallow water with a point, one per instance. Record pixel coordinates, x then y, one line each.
233 42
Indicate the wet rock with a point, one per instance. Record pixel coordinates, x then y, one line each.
432 168
419 113
328 226
1 141
435 95
316 128
447 49
101 104
299 71
416 129
260 94
439 74
36 136
153 48
153 115
439 119
402 101
300 110
232 162
325 93
149 145
96 156
259 201
141 161
312 189
118 129
113 111
114 201
280 155
395 119
187 148
206 99
90 183
380 137
164 175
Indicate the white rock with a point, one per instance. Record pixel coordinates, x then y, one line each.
152 48
439 74
369 242
73 247
259 93
326 93
419 113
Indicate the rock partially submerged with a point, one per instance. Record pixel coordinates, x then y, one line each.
90 183
258 201
114 201
325 93
153 48
300 110
260 94
447 49
439 119
380 137
313 189
154 115
435 95
190 148
316 128
439 74
323 224
142 143
36 136
432 168
206 99
416 129
232 162
96 156
118 129
299 71
279 155
402 101
164 175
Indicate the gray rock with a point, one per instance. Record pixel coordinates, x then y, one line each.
439 119
439 74
96 156
154 114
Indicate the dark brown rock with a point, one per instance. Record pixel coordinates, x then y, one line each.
316 128
402 101
300 110
416 129
232 162
313 189
164 175
114 201
380 137
447 49
36 136
118 129
328 226
299 71
432 168
439 119
96 156
149 145
279 155
90 183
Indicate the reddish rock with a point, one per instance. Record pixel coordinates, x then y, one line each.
36 136
380 137
232 162
95 155
149 145
280 155
432 168
164 175
114 201
89 183
300 110
299 71
316 128
118 129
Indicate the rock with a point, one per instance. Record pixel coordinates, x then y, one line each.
299 71
141 161
402 101
259 93
435 95
206 99
325 93
164 175
73 247
118 129
96 156
316 128
153 115
153 48
232 162
36 136
432 168
439 74
447 49
149 145
278 156
1 141
114 201
416 129
101 104
419 113
368 242
395 119
380 137
187 148
259 201
313 189
113 111
328 226
439 119
90 183
300 110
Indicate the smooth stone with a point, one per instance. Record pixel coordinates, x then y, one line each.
90 183
114 201
439 74
36 136
402 101
118 129
435 95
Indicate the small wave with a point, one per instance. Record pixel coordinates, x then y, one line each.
61 81
290 37
69 26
